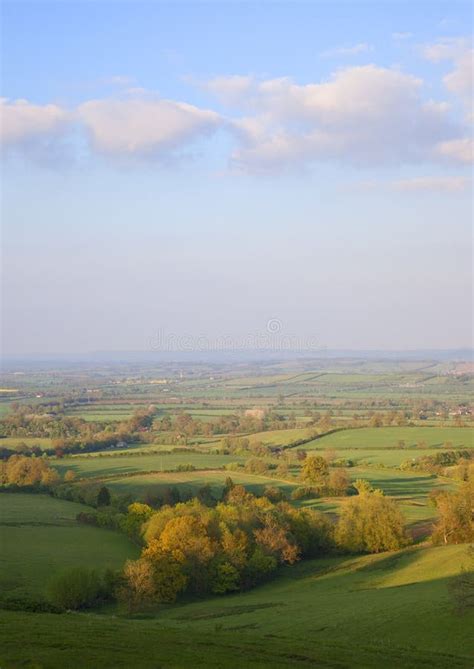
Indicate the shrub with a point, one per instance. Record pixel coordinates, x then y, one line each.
304 492
274 494
75 588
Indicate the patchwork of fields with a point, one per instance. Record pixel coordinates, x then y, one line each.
341 611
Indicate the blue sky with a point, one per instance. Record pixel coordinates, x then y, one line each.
201 168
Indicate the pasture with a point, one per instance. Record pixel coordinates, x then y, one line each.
390 437
97 467
40 536
279 437
386 457
138 486
13 442
314 614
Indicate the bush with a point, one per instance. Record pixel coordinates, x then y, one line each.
305 492
75 588
18 603
274 494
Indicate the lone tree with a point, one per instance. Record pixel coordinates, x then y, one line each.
370 523
315 471
456 518
103 497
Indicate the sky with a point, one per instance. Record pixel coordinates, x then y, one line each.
179 175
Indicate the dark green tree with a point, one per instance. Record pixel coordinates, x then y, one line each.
103 497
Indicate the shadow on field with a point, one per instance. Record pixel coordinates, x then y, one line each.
388 563
416 486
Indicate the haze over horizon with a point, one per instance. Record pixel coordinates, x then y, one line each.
205 170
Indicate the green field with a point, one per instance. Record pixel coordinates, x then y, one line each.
13 442
387 457
340 612
279 437
126 464
39 536
192 481
98 416
389 437
388 610
410 490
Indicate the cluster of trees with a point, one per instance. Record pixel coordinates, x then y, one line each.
243 539
232 546
316 473
22 471
439 461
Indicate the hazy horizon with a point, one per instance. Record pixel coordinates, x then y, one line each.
202 171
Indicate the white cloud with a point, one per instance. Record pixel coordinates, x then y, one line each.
343 51
460 52
363 115
22 121
144 127
457 150
229 89
447 184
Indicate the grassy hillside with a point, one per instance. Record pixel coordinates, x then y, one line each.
314 615
40 536
192 481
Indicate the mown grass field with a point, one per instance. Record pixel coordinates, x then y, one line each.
39 536
387 610
389 437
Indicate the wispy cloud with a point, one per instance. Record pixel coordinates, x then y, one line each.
402 36
345 51
459 51
457 150
446 184
119 80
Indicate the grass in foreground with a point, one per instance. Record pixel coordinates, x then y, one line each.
315 616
